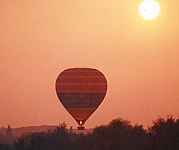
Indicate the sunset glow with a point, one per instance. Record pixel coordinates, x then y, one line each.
149 9
139 58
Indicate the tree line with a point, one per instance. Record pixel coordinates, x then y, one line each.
119 134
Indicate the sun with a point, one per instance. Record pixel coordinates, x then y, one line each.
149 9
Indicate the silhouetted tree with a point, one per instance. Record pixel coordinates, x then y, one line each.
117 135
120 134
165 134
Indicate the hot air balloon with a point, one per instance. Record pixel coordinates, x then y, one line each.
81 91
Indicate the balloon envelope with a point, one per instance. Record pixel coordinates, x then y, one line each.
81 91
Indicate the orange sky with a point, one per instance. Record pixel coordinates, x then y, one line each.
41 38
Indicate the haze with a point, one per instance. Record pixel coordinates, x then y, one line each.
41 38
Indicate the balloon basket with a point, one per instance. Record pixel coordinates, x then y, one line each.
81 128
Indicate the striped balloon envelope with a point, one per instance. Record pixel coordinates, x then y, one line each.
81 91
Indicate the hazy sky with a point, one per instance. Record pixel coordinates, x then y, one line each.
41 38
